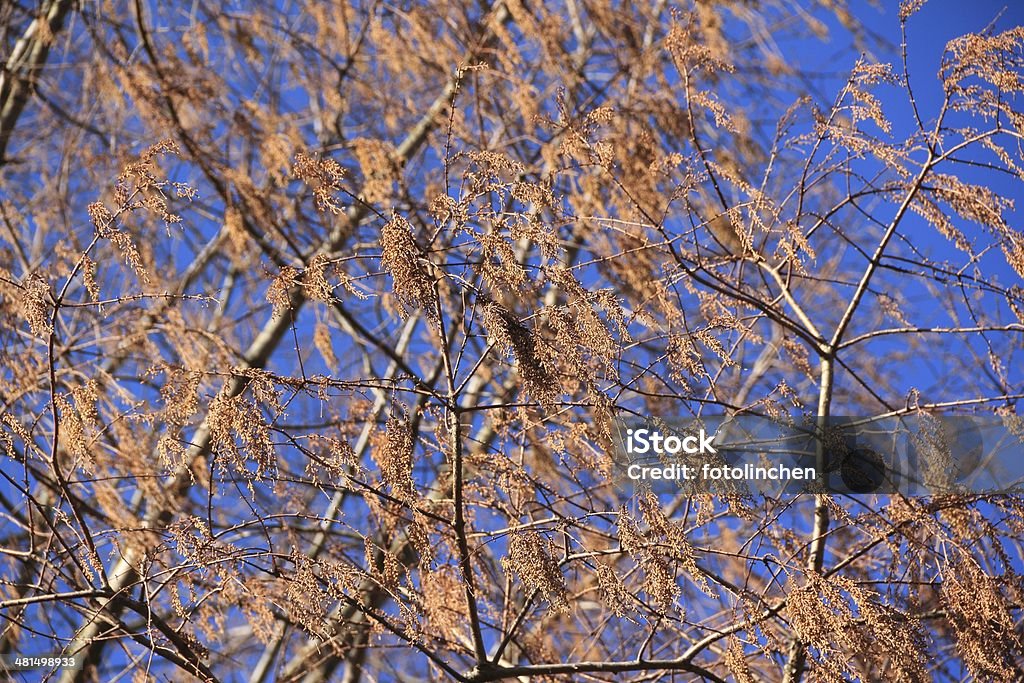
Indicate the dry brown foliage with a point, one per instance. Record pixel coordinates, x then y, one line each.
314 317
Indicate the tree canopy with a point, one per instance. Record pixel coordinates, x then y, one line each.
316 318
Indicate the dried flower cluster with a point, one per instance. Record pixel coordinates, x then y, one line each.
402 258
530 557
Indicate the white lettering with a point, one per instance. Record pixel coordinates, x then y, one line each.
641 441
706 443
